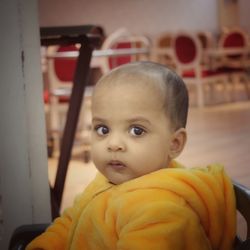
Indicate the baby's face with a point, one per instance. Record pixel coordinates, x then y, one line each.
131 133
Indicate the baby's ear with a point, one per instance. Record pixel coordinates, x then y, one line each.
178 141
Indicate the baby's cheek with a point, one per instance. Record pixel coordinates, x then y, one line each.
98 154
94 152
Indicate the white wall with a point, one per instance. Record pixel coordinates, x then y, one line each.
139 16
244 6
229 14
24 189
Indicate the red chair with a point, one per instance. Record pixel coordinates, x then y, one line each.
119 60
188 54
234 39
235 63
206 38
162 51
122 40
207 42
61 70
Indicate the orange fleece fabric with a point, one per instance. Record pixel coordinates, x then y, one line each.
173 208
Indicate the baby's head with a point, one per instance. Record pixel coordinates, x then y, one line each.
139 117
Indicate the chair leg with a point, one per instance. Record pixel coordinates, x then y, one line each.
247 85
200 95
233 79
226 83
241 78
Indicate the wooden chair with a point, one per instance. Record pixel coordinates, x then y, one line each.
162 49
234 38
60 78
60 72
24 234
122 40
188 54
235 63
243 207
207 42
206 38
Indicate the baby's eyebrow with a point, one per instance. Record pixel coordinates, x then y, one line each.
98 119
139 119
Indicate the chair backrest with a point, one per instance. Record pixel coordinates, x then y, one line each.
187 51
65 68
61 70
207 42
162 49
123 39
242 194
234 38
23 235
164 40
206 38
243 203
119 60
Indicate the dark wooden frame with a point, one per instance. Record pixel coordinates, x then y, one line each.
89 37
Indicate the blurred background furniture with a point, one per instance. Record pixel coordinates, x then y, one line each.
207 42
235 63
162 51
122 47
188 56
60 75
88 37
233 38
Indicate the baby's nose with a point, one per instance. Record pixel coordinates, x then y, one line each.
115 148
116 144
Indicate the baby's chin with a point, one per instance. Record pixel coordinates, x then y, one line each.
118 180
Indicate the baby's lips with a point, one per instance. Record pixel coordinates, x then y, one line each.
116 164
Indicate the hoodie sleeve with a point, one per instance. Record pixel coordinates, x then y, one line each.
55 237
158 220
58 235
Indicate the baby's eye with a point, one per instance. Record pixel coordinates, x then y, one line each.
102 130
137 131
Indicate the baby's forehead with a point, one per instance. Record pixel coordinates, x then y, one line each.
132 80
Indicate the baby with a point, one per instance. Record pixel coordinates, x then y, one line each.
142 198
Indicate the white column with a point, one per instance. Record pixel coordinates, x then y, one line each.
228 14
24 190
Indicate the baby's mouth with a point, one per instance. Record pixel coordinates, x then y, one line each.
117 165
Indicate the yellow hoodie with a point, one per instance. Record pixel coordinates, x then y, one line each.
171 209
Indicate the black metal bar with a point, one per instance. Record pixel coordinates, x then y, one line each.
67 30
71 35
80 81
89 37
95 40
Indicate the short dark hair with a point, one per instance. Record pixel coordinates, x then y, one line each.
172 86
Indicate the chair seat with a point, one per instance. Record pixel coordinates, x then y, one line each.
46 96
64 99
24 234
204 73
229 70
61 99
